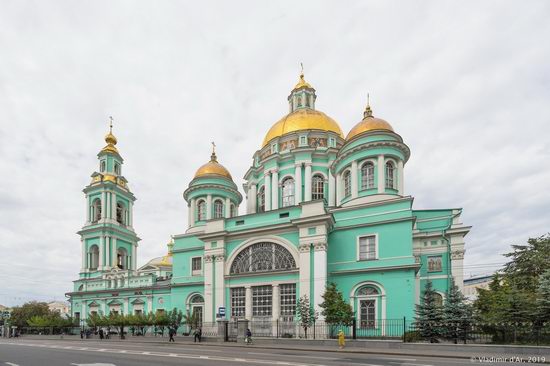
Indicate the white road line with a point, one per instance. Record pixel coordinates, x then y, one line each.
11 364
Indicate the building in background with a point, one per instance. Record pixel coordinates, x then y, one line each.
321 206
473 283
62 307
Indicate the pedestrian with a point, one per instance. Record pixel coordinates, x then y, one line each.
171 333
248 336
341 339
101 334
198 335
81 334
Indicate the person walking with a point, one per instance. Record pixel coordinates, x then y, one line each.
171 333
198 335
341 339
101 334
248 336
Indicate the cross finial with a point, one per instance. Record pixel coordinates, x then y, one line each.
213 156
302 67
368 110
110 124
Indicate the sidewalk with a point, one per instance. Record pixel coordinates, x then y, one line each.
395 348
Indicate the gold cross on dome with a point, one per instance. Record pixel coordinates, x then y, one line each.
110 124
213 147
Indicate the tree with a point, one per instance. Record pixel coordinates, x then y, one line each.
20 315
429 315
335 309
305 313
457 314
191 319
175 318
528 263
543 299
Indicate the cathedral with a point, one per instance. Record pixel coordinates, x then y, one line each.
321 206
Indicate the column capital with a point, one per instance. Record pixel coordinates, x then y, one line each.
304 248
220 258
298 163
208 258
308 163
457 255
320 247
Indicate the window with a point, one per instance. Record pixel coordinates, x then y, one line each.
218 209
233 210
303 141
317 187
367 175
367 291
347 183
120 213
367 313
389 175
262 300
331 142
238 301
121 258
93 257
102 166
287 294
435 263
201 211
367 248
196 266
262 257
261 199
138 312
288 192
96 210
117 168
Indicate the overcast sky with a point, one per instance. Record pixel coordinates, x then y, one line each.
467 85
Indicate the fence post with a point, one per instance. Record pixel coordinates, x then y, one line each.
314 328
404 328
354 328
277 327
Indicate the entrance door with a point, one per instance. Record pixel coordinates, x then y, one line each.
368 313
197 311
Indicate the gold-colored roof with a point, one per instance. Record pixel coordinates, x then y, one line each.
111 140
302 83
369 123
164 261
302 119
213 168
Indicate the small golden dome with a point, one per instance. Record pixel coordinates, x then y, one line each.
302 119
369 123
213 168
302 83
111 140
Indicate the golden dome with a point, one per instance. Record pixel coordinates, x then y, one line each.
302 119
213 168
111 140
164 261
302 83
369 123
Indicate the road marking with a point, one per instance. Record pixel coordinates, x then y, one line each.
11 364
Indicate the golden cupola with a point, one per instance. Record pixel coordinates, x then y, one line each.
302 115
369 123
213 168
111 140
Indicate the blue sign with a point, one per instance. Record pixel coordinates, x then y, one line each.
221 311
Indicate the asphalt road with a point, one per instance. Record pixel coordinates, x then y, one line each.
83 353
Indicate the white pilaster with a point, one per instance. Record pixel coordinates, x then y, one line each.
83 243
220 284
307 182
381 178
131 214
134 257
319 275
113 206
227 207
192 210
275 189
354 181
298 183
252 193
84 314
150 304
400 178
208 288
113 252
267 190
87 210
331 189
101 252
248 302
275 300
338 189
104 205
209 207
304 270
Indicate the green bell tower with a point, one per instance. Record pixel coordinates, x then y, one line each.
109 242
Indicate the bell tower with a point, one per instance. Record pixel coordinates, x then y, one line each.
108 239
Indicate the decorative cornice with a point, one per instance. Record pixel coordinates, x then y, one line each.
320 247
208 258
457 254
304 248
375 269
213 185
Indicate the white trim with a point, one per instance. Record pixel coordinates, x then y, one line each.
367 283
253 284
191 266
436 277
317 172
376 256
288 175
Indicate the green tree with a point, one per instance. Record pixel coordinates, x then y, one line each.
305 313
457 314
429 315
335 309
543 299
175 318
20 315
528 263
191 319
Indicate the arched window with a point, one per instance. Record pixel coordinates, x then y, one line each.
367 175
389 175
120 213
317 187
347 183
121 258
117 168
96 210
93 257
368 291
233 210
261 199
201 211
438 299
102 166
263 257
196 299
288 192
218 209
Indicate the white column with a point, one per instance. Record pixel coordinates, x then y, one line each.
83 268
192 209
298 183
354 185
131 214
113 206
400 180
381 180
304 270
208 290
248 302
267 190
209 207
104 205
252 193
113 252
101 251
126 306
87 209
307 182
149 304
134 257
220 285
227 207
319 275
331 189
84 314
275 301
338 189
275 189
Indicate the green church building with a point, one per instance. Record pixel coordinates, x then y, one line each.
321 207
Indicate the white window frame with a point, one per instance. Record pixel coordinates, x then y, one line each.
376 256
199 211
195 272
367 186
290 198
220 214
364 298
344 186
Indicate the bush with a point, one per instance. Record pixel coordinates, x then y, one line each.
412 336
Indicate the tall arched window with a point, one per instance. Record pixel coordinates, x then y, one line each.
233 210
317 187
201 210
263 257
120 213
367 175
347 183
102 166
218 209
390 175
288 192
96 210
121 258
261 199
93 257
117 168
